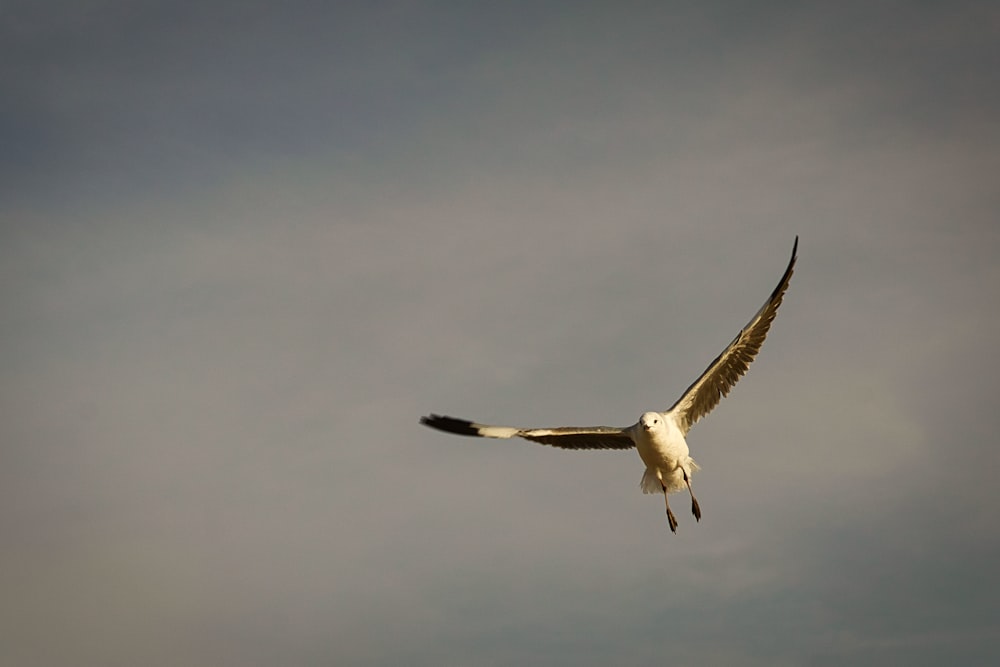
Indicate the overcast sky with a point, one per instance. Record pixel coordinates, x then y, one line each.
246 245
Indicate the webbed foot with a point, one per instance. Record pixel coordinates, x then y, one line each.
672 519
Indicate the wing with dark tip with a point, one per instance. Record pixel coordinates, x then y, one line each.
723 373
566 437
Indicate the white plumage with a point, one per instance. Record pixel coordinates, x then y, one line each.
659 437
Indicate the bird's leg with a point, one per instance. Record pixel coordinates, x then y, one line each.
670 515
695 508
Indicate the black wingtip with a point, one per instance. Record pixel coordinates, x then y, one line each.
786 276
450 425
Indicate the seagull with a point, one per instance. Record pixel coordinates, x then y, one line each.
658 436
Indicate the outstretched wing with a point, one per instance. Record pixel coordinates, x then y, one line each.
567 437
722 374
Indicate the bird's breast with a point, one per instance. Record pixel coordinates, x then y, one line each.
662 448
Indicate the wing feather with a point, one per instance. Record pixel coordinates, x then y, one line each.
566 437
726 369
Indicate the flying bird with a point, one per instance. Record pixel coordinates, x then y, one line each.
659 436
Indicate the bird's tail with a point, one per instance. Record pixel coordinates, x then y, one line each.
651 483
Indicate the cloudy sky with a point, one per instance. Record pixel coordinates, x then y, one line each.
246 245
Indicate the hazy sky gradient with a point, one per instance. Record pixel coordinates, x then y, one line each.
246 245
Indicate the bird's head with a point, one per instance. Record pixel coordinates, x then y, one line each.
651 421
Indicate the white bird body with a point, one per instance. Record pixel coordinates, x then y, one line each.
665 452
659 437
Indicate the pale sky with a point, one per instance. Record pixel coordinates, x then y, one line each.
246 245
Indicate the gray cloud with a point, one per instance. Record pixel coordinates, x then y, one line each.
245 250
